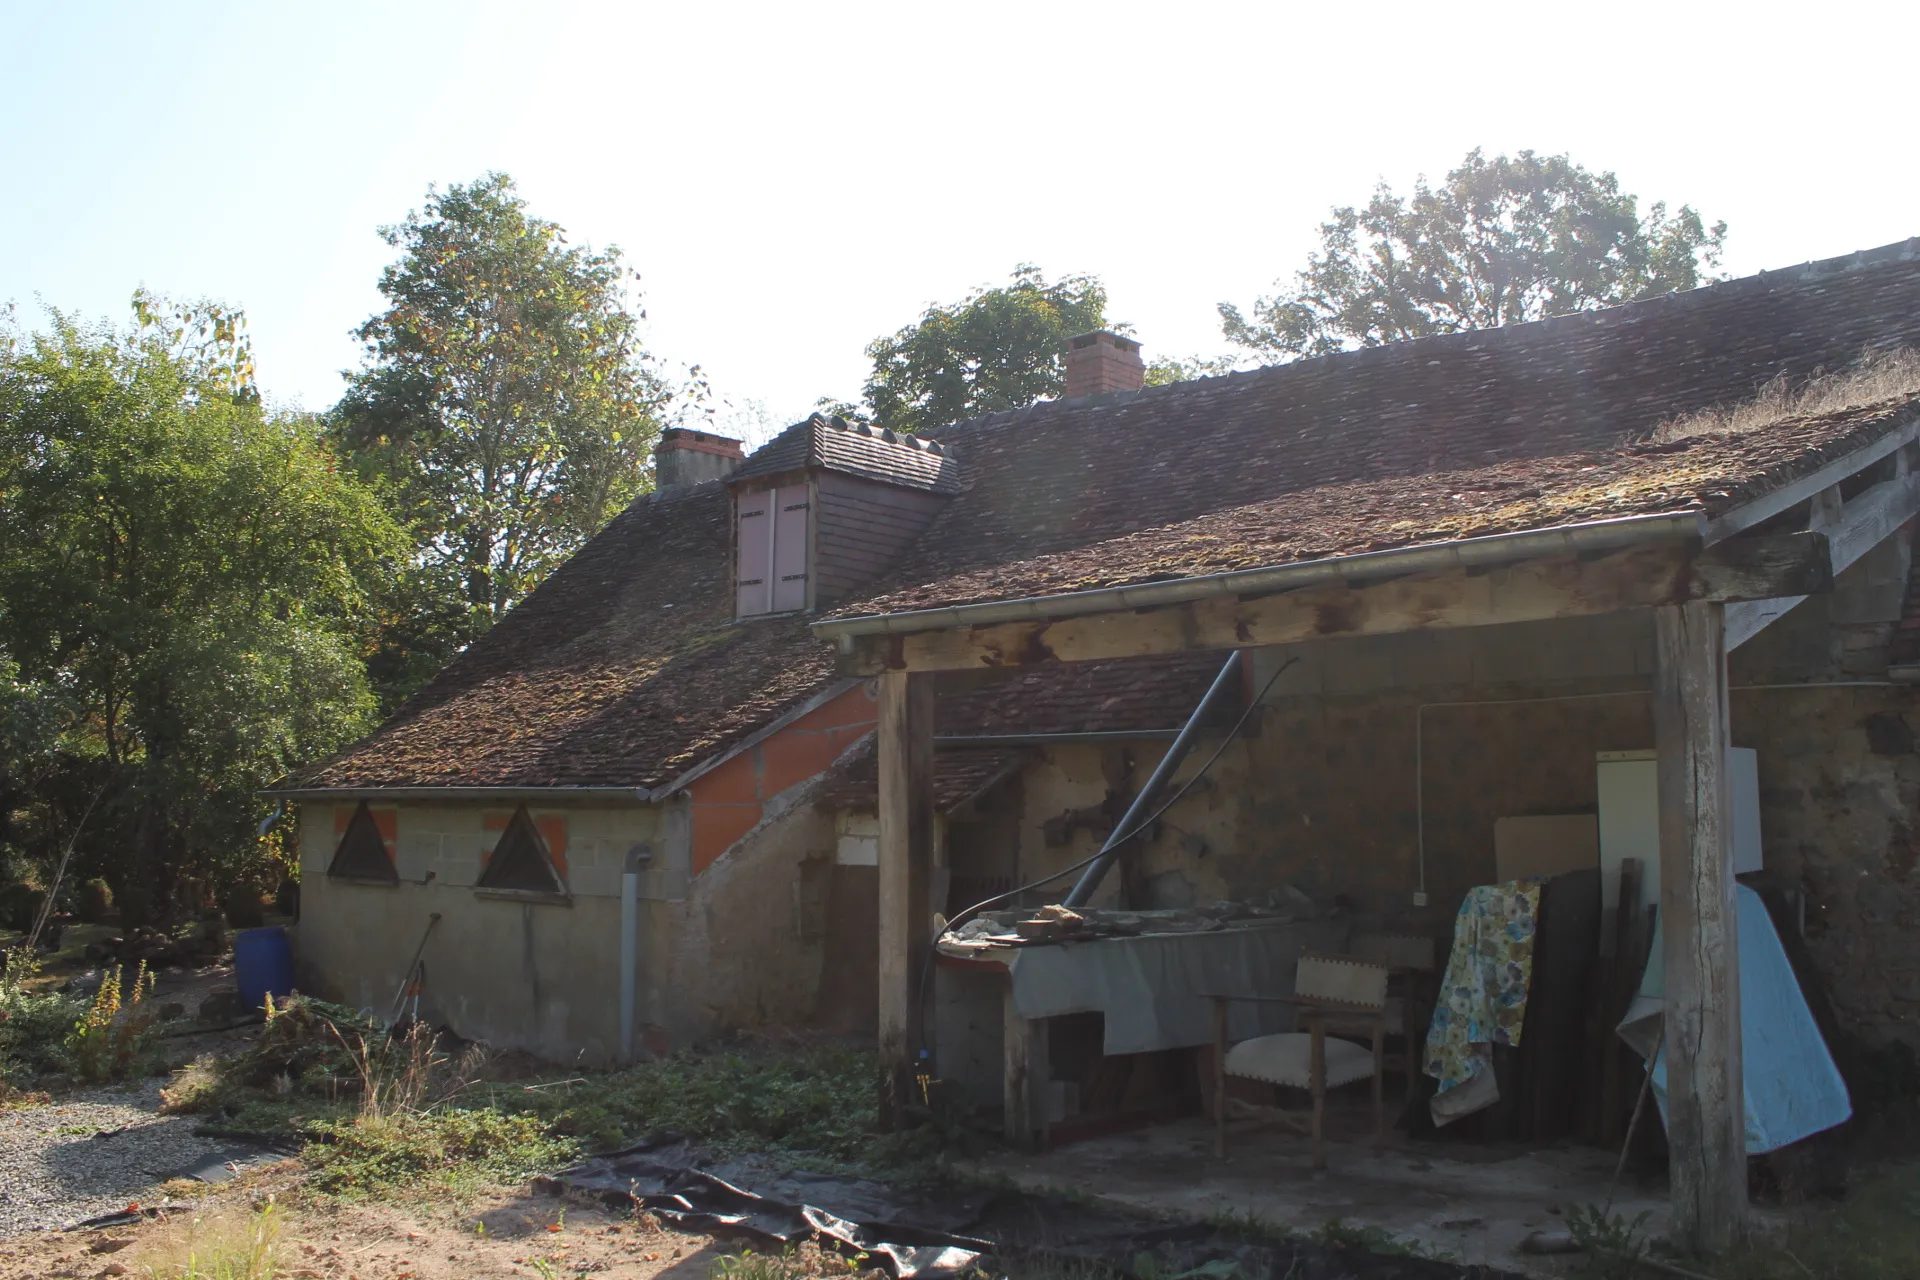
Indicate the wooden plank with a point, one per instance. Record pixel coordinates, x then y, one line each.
904 741
1528 591
1852 530
1705 1103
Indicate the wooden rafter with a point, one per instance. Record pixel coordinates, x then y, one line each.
1853 526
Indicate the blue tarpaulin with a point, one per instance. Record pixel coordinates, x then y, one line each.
1793 1088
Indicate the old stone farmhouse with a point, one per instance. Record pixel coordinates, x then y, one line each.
780 695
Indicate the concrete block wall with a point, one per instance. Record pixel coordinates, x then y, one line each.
537 977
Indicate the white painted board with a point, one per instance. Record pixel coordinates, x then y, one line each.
1629 786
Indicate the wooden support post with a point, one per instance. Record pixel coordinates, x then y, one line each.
1706 1122
905 745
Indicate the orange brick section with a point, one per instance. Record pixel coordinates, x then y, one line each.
729 800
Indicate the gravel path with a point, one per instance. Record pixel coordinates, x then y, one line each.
89 1154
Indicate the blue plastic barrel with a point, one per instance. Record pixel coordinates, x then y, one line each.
262 965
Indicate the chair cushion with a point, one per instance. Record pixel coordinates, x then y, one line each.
1287 1059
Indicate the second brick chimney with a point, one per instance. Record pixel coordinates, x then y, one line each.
687 457
1101 362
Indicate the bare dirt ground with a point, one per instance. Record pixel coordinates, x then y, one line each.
502 1234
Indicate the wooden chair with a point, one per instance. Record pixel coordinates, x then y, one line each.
1411 982
1326 988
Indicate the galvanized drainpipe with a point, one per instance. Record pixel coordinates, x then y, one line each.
1110 851
638 859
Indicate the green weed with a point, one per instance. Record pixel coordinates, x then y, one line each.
1611 1242
454 1150
112 1039
820 1099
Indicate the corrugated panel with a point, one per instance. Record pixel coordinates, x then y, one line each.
753 579
790 548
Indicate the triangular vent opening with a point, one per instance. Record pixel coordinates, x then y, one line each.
362 854
521 860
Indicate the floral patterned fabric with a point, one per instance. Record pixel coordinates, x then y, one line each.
1483 1000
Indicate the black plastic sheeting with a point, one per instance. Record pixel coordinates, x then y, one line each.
928 1235
911 1236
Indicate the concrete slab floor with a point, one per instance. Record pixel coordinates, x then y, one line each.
1468 1203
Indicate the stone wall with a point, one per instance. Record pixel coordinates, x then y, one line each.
1323 794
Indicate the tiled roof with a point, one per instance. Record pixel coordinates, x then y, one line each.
1131 695
1711 472
625 668
857 450
959 774
1071 475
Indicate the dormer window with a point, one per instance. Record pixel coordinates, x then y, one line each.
771 536
825 508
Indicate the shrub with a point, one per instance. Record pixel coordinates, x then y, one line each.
96 902
19 904
33 1025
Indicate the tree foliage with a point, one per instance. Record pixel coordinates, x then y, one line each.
996 349
182 592
1499 242
506 403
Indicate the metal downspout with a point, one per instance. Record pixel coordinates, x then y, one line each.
1110 851
638 859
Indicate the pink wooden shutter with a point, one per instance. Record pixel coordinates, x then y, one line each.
790 549
754 581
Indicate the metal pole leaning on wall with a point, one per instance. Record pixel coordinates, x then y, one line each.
1090 880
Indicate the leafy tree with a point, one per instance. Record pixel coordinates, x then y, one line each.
995 349
1501 241
506 405
183 583
1163 370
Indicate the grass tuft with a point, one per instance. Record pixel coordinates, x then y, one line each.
1879 377
221 1249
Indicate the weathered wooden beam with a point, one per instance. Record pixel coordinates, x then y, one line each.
1852 529
904 741
1528 591
1706 1119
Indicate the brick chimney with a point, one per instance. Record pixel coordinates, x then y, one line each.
1102 361
685 457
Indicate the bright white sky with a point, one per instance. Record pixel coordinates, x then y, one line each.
792 180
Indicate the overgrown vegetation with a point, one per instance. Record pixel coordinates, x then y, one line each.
45 1033
455 1149
1880 376
817 1099
377 1109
